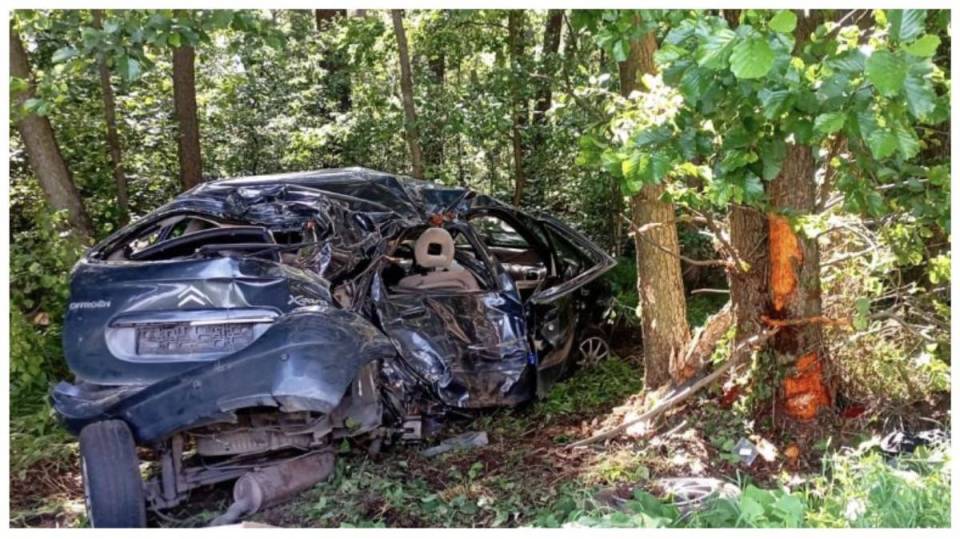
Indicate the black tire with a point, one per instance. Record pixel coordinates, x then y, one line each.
113 488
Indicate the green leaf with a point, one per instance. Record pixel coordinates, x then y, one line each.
882 143
751 59
129 68
713 52
661 163
887 72
620 50
829 122
924 47
773 102
174 39
921 99
907 141
906 24
772 153
63 54
784 21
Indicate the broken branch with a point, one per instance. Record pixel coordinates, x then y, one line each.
683 394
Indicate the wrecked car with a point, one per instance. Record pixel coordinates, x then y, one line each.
250 325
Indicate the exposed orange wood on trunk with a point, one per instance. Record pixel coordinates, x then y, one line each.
804 390
786 255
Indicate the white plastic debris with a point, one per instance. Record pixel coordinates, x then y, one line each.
467 440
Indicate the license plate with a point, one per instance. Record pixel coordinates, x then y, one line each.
174 339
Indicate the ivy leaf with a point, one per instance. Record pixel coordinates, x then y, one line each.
887 72
924 47
921 99
751 59
906 24
620 50
63 54
712 53
829 122
784 21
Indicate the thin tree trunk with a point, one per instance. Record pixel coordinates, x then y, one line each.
515 20
185 108
333 62
42 149
666 333
548 63
406 91
113 138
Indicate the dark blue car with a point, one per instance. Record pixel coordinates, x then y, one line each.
239 330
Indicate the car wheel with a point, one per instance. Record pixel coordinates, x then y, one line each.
593 347
112 486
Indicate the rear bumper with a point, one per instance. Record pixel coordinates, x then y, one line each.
304 362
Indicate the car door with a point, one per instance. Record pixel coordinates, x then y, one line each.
556 309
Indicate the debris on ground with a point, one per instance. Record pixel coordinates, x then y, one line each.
899 442
467 440
746 451
690 493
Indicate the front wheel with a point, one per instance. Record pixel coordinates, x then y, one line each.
112 486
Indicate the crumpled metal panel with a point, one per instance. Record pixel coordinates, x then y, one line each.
471 348
304 362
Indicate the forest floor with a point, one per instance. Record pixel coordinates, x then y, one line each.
525 476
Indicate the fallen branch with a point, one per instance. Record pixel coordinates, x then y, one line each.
683 394
819 319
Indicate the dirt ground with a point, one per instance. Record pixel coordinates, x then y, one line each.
525 476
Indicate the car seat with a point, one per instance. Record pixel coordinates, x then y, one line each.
434 252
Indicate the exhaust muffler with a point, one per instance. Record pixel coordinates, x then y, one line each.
269 486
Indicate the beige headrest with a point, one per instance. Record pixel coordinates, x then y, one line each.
434 248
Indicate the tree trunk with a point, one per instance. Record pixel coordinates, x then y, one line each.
113 138
659 279
406 91
333 62
323 16
515 20
749 286
795 292
551 45
42 149
185 108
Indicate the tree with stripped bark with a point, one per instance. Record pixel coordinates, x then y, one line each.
775 115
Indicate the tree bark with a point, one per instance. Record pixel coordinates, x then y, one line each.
749 286
113 138
406 91
185 109
515 21
42 149
551 45
663 308
795 292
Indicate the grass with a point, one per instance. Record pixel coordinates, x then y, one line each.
524 477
